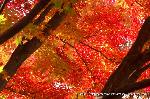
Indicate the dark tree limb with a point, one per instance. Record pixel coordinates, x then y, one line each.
138 73
129 88
137 69
134 86
26 50
23 22
54 22
2 6
35 43
41 18
22 52
120 76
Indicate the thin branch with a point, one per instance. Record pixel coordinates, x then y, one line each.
2 6
112 60
138 3
77 53
84 61
64 41
23 22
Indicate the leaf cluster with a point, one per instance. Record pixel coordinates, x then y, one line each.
64 5
2 19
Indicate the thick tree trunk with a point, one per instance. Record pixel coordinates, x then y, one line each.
132 62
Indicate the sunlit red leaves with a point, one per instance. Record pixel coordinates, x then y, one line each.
20 5
145 75
130 2
15 10
119 26
107 19
7 94
23 83
77 74
69 63
110 29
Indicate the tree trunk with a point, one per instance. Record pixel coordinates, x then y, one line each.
22 52
132 61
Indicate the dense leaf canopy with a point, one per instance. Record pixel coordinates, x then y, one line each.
79 55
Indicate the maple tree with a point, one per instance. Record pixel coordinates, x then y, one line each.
62 48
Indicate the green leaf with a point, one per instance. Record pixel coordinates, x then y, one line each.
2 19
58 4
18 40
68 9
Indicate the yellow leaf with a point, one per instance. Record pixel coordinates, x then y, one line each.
1 68
2 19
121 3
2 97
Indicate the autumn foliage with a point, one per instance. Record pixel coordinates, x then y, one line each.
76 53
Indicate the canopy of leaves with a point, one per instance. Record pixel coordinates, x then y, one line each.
80 54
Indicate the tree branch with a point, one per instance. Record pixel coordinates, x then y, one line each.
83 60
85 63
121 74
129 88
3 5
22 52
110 59
137 69
41 18
134 86
138 73
23 22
